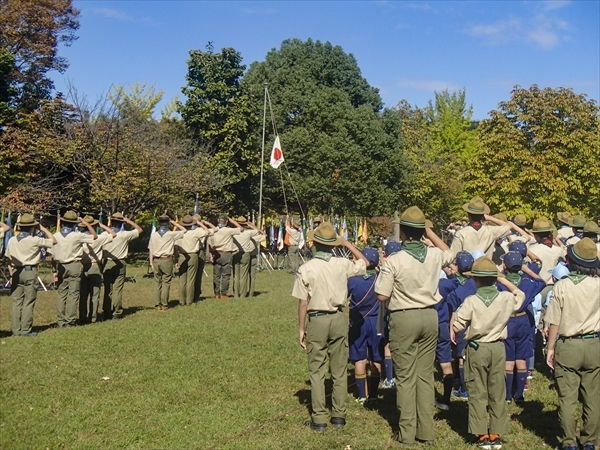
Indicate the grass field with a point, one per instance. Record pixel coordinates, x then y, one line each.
225 374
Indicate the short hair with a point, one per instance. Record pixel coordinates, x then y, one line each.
589 271
412 233
475 217
322 248
484 281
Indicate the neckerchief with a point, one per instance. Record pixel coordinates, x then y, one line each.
461 279
577 277
162 230
369 274
487 294
325 256
417 250
22 235
115 229
514 278
547 242
476 225
65 230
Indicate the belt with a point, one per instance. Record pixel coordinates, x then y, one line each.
581 336
223 251
411 309
322 313
521 314
163 257
69 262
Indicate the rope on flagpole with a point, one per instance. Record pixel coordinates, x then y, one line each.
294 189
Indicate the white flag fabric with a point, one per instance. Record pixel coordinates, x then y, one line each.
276 154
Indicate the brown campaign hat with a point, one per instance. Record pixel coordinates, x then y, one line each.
476 206
541 225
187 221
197 217
564 217
501 216
591 227
413 217
241 220
117 216
325 235
27 220
89 219
584 253
520 220
483 267
164 218
428 223
577 221
70 216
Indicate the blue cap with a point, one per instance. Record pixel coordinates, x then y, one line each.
392 247
519 247
476 254
560 271
513 260
464 261
372 255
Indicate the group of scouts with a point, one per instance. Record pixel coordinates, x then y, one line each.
478 294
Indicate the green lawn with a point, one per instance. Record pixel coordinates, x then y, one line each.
225 374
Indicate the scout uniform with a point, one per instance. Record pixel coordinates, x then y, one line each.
223 246
409 279
254 255
202 257
161 247
68 253
574 316
115 267
565 231
484 317
187 249
577 223
91 277
591 230
23 253
323 283
242 259
293 249
547 253
478 236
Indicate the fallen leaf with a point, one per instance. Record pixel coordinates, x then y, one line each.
106 378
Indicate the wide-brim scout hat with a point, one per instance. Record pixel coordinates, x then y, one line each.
541 225
164 218
117 217
483 267
584 253
325 235
591 227
197 217
241 220
500 216
412 217
577 221
187 221
27 220
476 206
70 216
428 224
564 217
89 219
520 220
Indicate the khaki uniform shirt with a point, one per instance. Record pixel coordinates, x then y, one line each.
574 307
257 240
222 240
549 258
246 241
70 248
325 283
565 232
119 247
192 240
487 323
294 235
573 240
93 252
469 240
26 252
164 245
409 283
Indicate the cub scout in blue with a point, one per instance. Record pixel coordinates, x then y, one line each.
484 317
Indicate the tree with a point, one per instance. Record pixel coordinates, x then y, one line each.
7 89
539 154
138 104
31 31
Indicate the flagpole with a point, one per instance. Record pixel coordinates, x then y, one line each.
262 159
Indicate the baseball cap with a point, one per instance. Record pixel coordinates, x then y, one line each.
560 271
512 260
392 247
372 255
518 246
464 261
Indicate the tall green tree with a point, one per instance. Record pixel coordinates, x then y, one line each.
539 154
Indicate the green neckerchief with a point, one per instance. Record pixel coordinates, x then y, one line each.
417 250
487 294
369 274
324 256
514 278
577 277
461 279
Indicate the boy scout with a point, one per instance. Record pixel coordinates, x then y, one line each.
254 255
67 268
293 249
409 280
161 248
322 291
222 247
575 357
484 317
577 223
544 251
115 265
23 255
565 231
242 260
186 255
202 256
91 277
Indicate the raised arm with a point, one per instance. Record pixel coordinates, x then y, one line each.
107 229
89 227
435 240
47 233
178 226
133 224
239 227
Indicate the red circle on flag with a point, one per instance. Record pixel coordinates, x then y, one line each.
277 154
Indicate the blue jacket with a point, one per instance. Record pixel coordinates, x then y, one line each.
361 289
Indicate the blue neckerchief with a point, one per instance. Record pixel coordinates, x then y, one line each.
22 235
162 230
65 230
115 229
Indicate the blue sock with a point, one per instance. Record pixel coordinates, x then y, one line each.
509 384
389 369
361 381
521 380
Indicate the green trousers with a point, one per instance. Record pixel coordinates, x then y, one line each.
222 273
67 303
163 274
241 274
294 255
577 374
188 270
23 292
199 275
413 338
114 271
253 273
89 292
327 335
486 384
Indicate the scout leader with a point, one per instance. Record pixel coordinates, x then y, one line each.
484 317
321 287
202 257
242 260
574 319
161 248
23 255
409 280
222 248
115 265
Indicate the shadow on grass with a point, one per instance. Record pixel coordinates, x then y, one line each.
544 424
458 419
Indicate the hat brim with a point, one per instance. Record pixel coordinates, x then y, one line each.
481 275
486 210
92 224
27 224
63 219
186 224
330 242
582 262
561 218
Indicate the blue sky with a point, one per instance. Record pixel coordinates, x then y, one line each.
408 49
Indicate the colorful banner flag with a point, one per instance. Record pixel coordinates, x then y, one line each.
359 233
276 154
196 205
344 229
355 231
98 229
280 236
365 233
9 233
153 223
176 221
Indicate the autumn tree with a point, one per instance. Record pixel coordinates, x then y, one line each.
539 154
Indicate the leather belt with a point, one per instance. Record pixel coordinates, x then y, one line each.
322 313
163 257
521 314
69 262
581 336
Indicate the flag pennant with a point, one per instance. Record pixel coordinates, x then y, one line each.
276 154
344 229
196 206
9 232
280 236
153 224
365 233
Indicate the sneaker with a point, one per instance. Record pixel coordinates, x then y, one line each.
459 393
388 384
568 447
509 401
484 442
530 374
519 401
31 334
361 401
495 442
441 406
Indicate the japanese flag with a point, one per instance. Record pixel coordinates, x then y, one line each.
276 154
